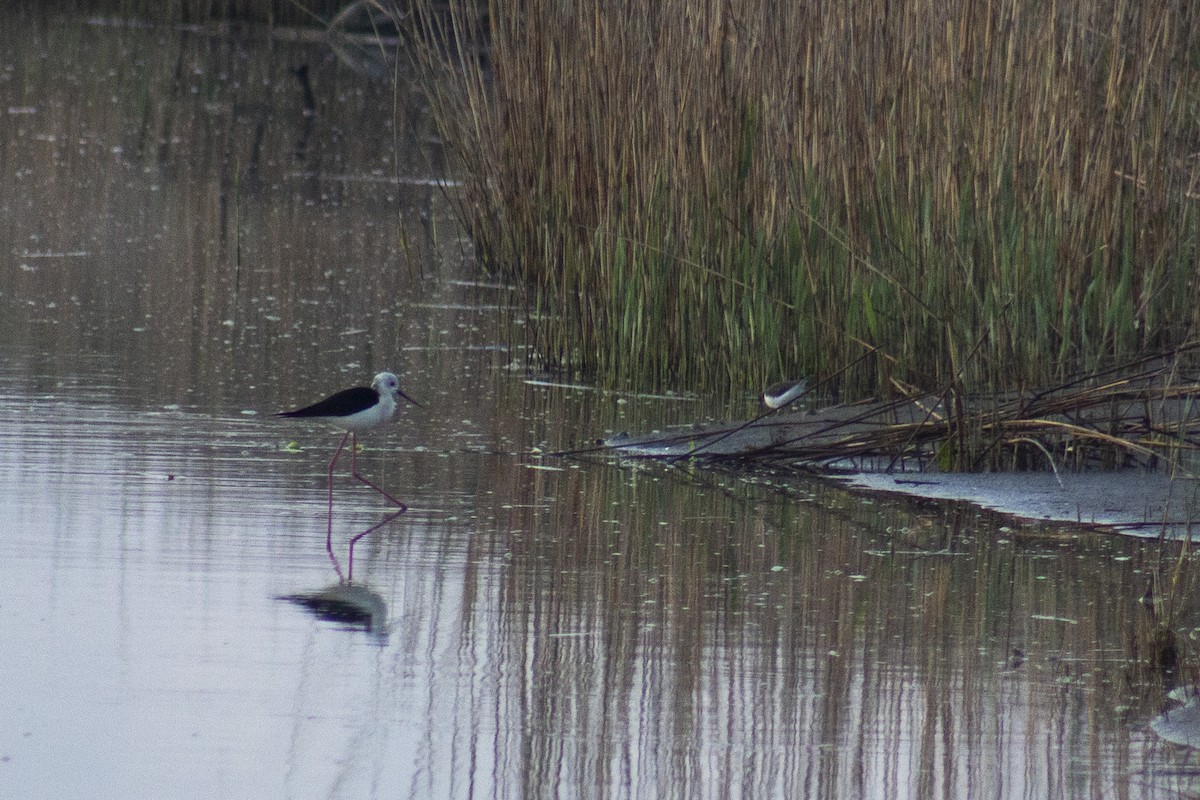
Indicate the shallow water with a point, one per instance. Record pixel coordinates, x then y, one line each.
179 267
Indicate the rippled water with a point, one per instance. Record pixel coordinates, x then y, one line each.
188 253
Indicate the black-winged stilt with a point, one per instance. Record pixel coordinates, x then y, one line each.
359 409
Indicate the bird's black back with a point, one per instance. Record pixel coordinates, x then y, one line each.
342 404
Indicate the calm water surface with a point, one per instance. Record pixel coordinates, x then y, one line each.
187 252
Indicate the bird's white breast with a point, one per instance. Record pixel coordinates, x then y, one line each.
373 417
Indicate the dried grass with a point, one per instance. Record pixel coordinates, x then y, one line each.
712 194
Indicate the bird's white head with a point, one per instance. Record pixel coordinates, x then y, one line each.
388 385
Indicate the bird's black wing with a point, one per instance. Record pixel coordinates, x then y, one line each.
342 404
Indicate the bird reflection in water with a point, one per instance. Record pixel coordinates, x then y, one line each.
349 605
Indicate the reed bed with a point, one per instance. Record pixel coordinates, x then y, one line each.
706 194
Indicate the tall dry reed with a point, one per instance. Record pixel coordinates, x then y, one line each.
713 193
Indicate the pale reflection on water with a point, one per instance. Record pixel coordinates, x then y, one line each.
539 628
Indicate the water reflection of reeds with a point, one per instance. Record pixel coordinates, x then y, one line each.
866 652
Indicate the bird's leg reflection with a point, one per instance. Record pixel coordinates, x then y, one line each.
400 507
329 528
337 566
356 537
354 472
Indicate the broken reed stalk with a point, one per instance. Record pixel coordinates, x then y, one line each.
1152 421
1145 419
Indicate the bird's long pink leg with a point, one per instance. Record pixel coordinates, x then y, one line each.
354 472
401 507
329 529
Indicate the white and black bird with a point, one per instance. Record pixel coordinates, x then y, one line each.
781 394
354 410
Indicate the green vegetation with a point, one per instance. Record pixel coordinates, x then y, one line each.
979 196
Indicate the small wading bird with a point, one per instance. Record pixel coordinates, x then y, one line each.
779 395
354 410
